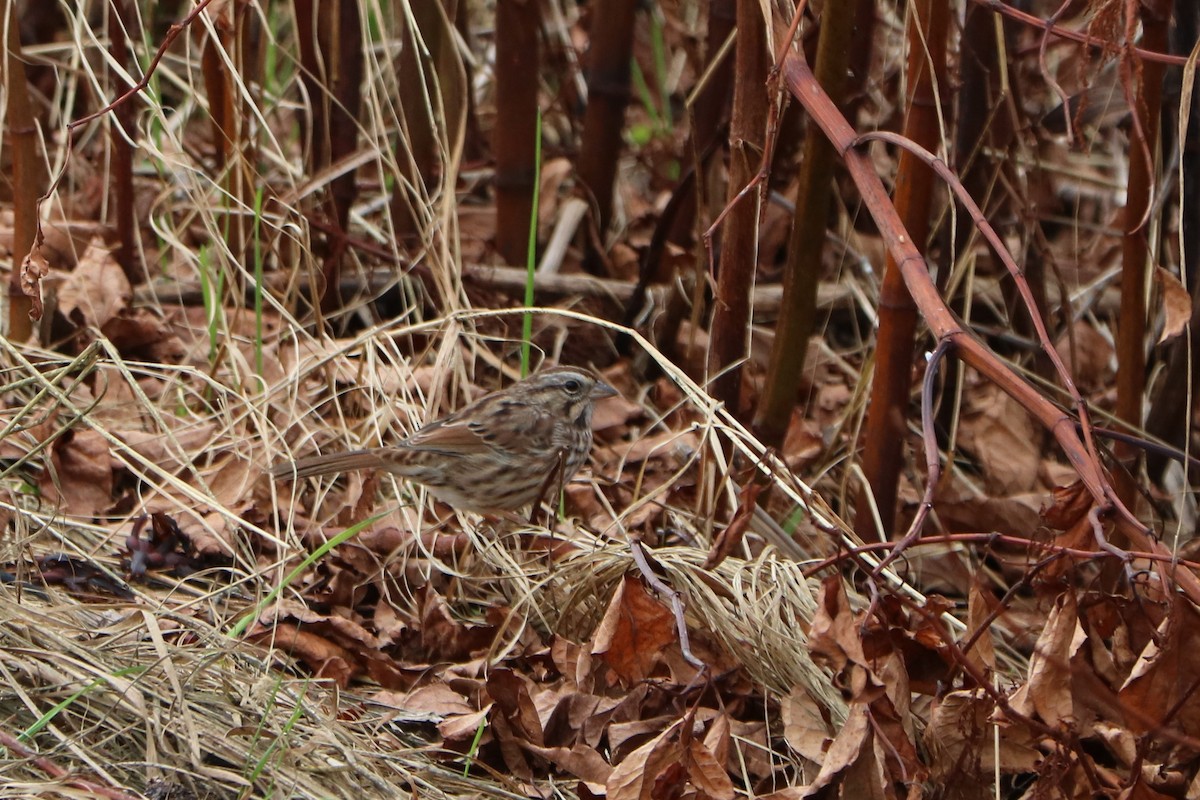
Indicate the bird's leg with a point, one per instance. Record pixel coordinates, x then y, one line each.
553 477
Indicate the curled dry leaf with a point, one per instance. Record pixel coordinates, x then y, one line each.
580 760
1177 304
1047 693
34 267
845 750
983 652
436 699
673 758
1161 686
323 657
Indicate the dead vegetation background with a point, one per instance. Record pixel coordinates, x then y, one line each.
247 231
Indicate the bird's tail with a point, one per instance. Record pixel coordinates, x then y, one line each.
328 464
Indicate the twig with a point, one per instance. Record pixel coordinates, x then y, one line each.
933 468
766 298
30 273
989 538
1083 38
643 562
55 771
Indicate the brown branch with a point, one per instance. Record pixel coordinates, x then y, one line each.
1076 36
946 326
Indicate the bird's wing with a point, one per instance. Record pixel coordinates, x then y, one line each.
452 437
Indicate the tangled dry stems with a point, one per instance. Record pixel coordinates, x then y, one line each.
154 685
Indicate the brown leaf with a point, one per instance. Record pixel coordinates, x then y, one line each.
804 726
1002 437
1071 504
81 478
732 536
705 772
844 751
1089 356
97 290
34 267
960 739
626 736
634 778
1177 304
510 748
461 729
323 657
834 635
634 631
510 692
802 443
434 698
445 638
983 653
1047 692
1164 679
581 761
140 333
719 737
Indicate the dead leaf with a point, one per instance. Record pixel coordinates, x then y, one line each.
705 772
961 736
434 698
323 657
636 776
1004 440
635 630
1047 692
81 477
581 761
510 692
445 638
666 761
1164 680
1069 506
34 267
462 728
983 653
804 726
1089 356
731 537
1176 302
834 636
844 751
97 290
139 333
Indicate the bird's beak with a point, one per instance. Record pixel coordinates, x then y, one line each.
602 390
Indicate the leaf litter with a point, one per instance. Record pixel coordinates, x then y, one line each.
440 655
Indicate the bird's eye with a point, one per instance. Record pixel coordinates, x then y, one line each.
573 386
